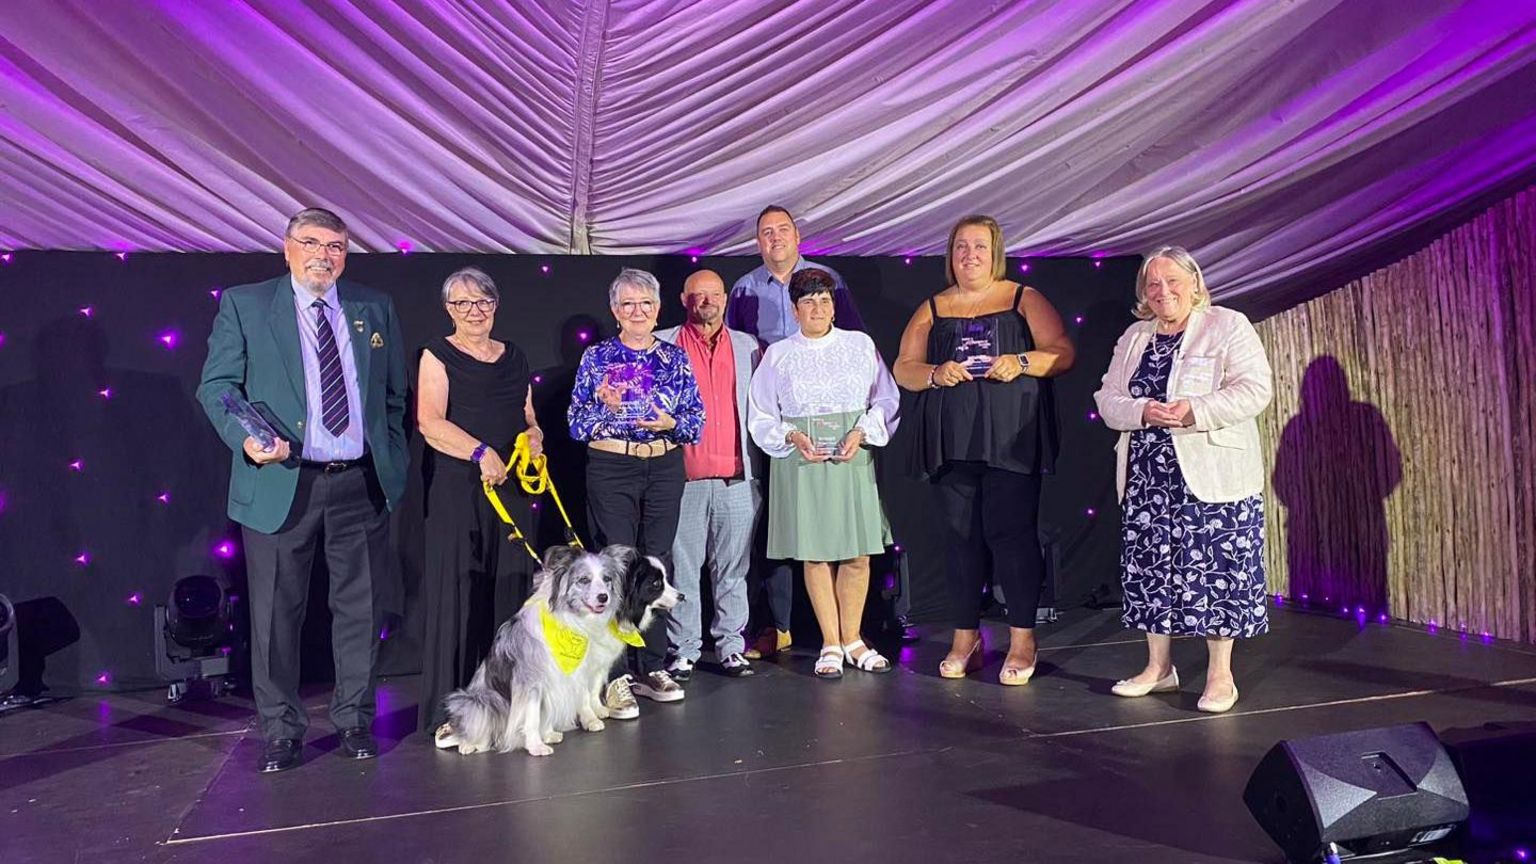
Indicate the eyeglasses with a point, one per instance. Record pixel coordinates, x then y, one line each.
462 306
310 246
629 306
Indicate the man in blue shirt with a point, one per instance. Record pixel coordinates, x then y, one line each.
759 305
759 302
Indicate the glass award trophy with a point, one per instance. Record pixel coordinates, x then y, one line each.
976 347
826 431
636 385
253 423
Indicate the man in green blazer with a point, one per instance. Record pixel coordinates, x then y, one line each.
321 360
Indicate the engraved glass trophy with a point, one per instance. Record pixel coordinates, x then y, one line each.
825 429
636 385
253 423
976 347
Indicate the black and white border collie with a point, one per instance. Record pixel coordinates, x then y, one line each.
522 695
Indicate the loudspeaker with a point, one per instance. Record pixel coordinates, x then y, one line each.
1368 792
1495 762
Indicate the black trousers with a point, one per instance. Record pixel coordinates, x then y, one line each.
343 516
636 502
989 510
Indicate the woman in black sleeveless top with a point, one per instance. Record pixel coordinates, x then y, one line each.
987 431
473 400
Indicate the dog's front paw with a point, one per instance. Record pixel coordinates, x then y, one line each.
553 737
467 749
592 725
539 748
601 711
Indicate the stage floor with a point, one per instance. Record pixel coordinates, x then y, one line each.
781 766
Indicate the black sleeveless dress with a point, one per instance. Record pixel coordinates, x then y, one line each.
473 578
1010 426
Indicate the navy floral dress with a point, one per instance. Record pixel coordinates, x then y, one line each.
1190 567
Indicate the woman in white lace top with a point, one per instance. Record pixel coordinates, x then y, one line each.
818 401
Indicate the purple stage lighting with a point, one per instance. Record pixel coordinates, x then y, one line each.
169 339
225 549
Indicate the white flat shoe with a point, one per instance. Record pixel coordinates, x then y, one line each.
1218 706
1131 690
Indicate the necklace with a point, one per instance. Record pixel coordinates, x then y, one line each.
979 302
488 355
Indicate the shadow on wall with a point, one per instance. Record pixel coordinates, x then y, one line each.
1336 465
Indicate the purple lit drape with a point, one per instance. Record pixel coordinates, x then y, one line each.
1283 142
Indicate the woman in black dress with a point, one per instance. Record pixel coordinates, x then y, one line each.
987 431
472 401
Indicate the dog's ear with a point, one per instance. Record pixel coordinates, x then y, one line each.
560 558
622 557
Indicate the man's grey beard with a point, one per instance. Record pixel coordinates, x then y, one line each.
316 285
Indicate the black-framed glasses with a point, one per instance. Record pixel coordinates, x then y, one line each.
310 246
463 306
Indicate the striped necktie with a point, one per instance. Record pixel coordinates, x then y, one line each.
333 390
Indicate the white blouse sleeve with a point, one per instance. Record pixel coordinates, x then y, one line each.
883 413
765 423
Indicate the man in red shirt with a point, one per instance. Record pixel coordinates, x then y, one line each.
722 498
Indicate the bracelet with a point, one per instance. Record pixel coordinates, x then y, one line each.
479 452
932 372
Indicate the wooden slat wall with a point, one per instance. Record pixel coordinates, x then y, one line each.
1439 355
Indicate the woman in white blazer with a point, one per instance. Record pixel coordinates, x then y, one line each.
1183 389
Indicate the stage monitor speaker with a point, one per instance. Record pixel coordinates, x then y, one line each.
1367 792
1495 762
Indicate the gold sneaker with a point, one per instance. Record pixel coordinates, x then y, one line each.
769 642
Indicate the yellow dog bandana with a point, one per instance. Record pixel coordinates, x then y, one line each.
568 646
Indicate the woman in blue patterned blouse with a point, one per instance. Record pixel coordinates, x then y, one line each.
635 403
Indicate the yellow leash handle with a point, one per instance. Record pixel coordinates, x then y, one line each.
532 474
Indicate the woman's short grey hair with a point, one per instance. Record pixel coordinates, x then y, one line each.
473 278
1181 259
635 279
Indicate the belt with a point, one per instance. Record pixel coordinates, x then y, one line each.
337 466
637 449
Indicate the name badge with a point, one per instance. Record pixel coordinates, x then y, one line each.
1197 377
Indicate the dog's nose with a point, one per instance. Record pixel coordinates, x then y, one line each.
602 598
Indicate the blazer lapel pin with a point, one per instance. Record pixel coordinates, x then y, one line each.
358 325
377 341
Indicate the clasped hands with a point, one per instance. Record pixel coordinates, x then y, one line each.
1168 415
845 450
1004 368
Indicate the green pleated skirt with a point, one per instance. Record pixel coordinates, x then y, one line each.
825 511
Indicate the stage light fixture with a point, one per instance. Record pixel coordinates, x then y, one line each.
192 635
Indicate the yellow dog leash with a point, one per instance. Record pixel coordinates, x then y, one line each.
533 476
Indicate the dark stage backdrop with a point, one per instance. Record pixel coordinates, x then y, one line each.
112 483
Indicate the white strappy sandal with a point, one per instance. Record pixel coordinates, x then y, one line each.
829 663
870 661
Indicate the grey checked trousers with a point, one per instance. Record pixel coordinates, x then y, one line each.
714 530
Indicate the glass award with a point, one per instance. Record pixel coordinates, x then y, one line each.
976 346
826 433
636 386
252 422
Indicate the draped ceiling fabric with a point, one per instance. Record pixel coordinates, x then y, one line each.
1284 141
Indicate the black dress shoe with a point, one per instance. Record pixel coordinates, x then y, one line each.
358 743
280 755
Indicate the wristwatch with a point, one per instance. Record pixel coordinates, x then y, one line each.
1023 360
